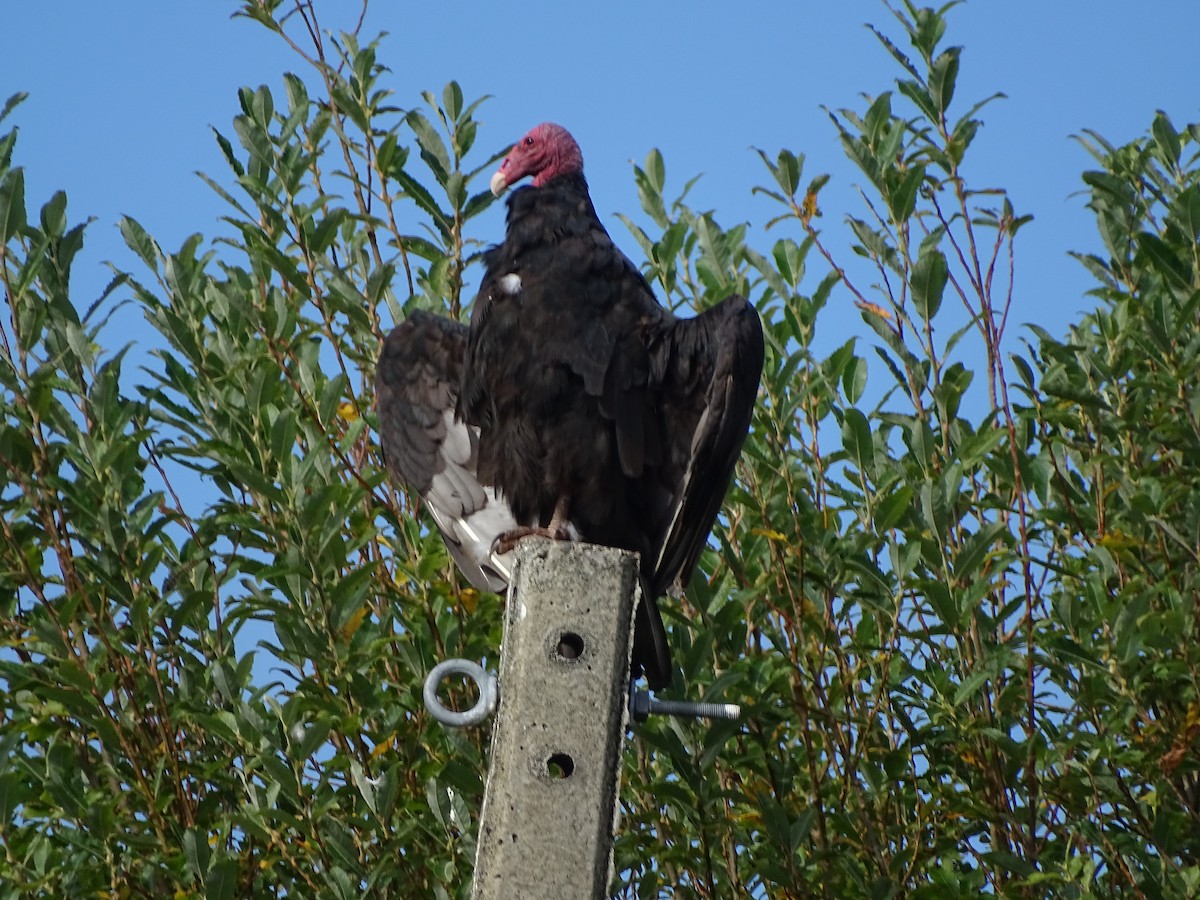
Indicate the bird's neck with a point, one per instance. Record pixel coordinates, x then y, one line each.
557 207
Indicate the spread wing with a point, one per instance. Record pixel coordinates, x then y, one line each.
709 367
432 451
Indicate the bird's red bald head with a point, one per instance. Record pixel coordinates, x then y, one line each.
546 151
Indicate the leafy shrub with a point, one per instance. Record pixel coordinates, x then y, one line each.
955 586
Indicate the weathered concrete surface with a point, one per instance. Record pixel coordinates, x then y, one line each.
551 798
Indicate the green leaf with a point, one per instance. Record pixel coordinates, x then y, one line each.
968 562
12 103
859 442
196 851
433 148
929 278
891 509
54 215
137 240
13 793
366 788
1184 212
919 95
656 171
414 189
1157 254
929 25
297 95
221 883
452 100
1166 139
854 379
942 77
788 169
896 52
902 197
263 107
970 687
12 205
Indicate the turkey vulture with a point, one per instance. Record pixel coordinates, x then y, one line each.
574 406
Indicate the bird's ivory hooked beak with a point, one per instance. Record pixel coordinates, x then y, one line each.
499 183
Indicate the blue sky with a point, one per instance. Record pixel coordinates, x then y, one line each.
123 98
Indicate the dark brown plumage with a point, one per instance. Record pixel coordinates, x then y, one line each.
574 404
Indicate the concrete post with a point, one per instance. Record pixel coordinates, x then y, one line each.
550 804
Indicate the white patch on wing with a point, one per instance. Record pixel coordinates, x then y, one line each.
469 515
455 491
456 446
685 486
470 538
511 283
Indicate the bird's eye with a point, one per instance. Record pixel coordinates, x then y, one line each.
528 142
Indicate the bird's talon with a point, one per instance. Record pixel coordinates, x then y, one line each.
508 541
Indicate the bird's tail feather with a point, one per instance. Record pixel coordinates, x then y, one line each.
651 656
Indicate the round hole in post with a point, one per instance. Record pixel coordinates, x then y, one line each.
569 647
560 765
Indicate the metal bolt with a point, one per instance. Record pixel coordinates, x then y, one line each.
642 705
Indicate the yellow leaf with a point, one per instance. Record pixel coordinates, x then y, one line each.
470 599
808 209
874 308
769 535
354 622
1193 716
383 746
1117 540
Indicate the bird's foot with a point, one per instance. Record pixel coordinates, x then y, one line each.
508 540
